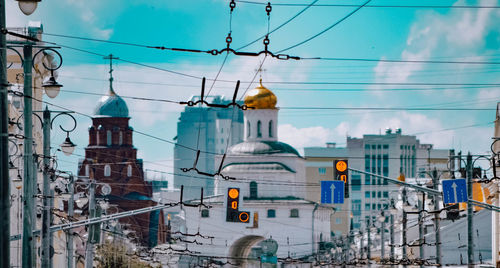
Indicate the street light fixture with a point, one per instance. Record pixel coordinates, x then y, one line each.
68 147
28 6
51 87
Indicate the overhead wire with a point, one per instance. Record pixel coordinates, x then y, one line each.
326 29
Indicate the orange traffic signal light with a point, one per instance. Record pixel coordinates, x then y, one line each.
233 202
341 168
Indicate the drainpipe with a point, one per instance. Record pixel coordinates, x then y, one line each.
312 234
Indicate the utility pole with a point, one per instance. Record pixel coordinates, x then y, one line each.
4 149
69 235
436 216
29 178
361 242
404 225
369 240
470 214
382 235
89 247
46 191
421 207
391 230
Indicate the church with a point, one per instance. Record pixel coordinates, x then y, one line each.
111 159
270 176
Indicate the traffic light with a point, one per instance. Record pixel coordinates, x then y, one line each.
341 174
233 202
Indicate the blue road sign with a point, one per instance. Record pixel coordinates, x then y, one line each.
454 191
332 192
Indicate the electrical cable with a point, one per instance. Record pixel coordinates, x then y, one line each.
325 30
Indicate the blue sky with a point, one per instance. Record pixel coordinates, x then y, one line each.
451 34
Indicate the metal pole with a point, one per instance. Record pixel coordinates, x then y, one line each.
89 248
404 225
369 240
361 242
421 227
29 179
46 191
382 242
69 236
436 217
4 150
470 235
391 230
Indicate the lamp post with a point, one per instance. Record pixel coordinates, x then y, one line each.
29 180
67 147
4 147
381 219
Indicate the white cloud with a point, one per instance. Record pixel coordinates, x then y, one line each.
304 137
454 35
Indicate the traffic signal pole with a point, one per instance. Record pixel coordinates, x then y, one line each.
470 236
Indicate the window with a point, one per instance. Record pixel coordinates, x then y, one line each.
367 179
367 194
259 129
386 146
385 194
322 171
271 129
129 171
379 194
87 169
253 190
108 137
120 138
338 221
374 207
374 194
205 213
107 170
367 206
294 213
248 129
222 140
367 146
271 213
221 130
98 140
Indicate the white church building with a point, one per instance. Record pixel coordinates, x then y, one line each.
271 178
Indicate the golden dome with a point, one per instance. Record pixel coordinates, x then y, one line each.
260 98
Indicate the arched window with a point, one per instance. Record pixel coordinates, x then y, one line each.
87 170
253 190
271 129
259 129
248 129
294 213
108 137
120 138
129 171
107 170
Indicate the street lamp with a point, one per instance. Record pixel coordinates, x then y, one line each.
51 87
68 147
28 6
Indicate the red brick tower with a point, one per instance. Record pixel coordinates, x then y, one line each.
111 158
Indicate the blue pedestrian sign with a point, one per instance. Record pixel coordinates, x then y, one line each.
332 192
454 191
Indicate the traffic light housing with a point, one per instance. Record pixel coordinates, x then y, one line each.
233 202
341 168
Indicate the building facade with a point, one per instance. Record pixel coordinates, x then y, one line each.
391 155
111 159
211 130
271 178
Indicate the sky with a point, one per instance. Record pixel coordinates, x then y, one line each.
374 34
